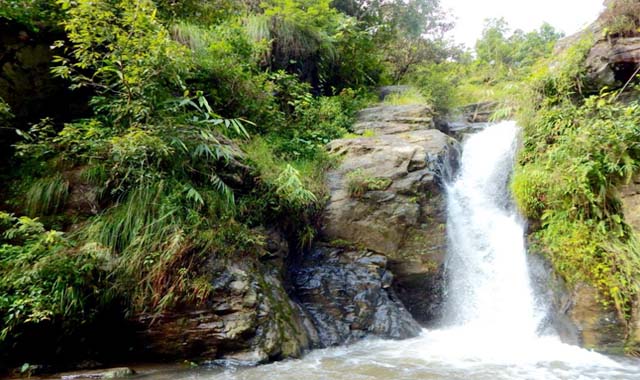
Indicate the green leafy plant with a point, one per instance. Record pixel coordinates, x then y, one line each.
41 280
571 166
359 182
47 195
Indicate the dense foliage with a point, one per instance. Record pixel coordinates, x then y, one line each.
501 62
206 119
579 148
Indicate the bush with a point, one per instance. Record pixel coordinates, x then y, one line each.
315 122
574 158
621 18
43 280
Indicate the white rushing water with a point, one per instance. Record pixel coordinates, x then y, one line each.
492 319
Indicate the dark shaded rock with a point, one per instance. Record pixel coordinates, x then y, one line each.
385 91
248 318
27 85
348 296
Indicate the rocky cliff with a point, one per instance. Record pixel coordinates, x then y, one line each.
386 197
378 268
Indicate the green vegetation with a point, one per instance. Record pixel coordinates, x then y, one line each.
503 61
578 148
359 182
206 121
621 18
410 96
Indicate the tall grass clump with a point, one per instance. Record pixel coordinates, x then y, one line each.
46 195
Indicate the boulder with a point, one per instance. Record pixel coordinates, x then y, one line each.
348 294
386 196
389 119
109 373
612 62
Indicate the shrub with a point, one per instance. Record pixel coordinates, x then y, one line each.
573 160
621 18
43 280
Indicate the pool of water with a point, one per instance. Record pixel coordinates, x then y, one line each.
435 355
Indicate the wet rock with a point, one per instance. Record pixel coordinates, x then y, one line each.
348 296
577 313
405 221
248 318
110 373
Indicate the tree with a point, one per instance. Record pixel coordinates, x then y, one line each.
518 49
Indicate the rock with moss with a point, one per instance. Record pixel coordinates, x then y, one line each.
576 312
247 319
386 196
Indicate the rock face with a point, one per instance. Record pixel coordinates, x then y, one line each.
386 197
612 62
253 315
249 319
348 295
388 119
630 196
576 313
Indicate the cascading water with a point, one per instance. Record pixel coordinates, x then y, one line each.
491 320
489 286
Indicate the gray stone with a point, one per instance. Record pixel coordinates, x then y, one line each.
406 221
611 62
348 296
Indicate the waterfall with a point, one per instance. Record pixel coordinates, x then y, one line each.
489 288
492 317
